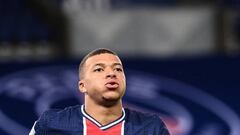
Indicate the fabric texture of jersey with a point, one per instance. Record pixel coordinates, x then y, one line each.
70 121
93 127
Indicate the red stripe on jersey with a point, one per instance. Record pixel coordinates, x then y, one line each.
93 129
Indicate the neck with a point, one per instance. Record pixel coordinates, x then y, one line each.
102 114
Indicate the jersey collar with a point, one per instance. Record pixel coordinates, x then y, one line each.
102 127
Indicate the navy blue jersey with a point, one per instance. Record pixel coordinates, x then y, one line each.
70 121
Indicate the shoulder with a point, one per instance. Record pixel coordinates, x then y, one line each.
57 118
141 117
147 122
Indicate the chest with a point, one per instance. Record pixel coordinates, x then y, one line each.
90 128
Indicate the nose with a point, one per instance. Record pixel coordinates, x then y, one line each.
111 74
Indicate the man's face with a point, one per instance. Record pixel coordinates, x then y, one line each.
104 80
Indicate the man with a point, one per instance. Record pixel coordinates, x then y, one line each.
102 81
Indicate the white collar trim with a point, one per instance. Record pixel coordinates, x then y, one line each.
85 114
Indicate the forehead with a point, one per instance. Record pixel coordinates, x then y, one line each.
102 58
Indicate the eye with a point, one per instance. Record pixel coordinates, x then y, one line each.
119 69
98 70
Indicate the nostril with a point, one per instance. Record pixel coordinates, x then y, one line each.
111 75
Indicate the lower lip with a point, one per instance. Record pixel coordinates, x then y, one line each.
112 86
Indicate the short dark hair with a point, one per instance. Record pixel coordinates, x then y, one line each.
93 53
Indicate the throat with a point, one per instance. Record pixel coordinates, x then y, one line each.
103 115
108 119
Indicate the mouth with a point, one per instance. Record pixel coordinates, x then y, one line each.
112 85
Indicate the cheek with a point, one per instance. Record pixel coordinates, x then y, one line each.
123 80
123 77
93 83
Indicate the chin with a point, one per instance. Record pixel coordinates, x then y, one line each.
115 98
110 101
112 95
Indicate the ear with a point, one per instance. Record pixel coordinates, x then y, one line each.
81 86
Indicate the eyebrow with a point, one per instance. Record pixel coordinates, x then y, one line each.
117 64
103 65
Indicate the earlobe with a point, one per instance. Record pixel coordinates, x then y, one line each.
81 86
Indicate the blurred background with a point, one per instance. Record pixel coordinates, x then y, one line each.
181 58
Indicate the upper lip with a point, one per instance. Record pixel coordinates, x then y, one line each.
112 82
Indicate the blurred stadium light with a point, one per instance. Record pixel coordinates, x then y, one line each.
143 32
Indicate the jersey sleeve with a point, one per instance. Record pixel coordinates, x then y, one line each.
161 127
39 127
57 120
